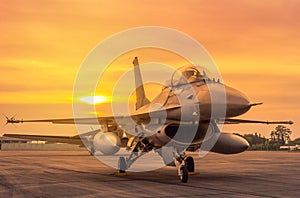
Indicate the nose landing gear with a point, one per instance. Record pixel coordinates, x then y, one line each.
183 174
190 164
186 167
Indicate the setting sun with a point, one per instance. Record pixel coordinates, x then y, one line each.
94 99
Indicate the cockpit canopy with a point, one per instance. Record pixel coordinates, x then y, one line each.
185 75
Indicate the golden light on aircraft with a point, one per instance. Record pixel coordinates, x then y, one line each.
92 100
250 40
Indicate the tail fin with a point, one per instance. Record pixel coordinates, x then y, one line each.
141 99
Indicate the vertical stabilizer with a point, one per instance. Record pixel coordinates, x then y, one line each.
141 99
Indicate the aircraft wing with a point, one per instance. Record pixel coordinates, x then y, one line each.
241 121
139 117
53 139
67 120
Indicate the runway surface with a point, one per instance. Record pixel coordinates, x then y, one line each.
75 173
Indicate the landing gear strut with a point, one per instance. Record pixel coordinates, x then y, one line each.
141 146
122 166
92 151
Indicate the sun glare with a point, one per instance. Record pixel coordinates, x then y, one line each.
94 99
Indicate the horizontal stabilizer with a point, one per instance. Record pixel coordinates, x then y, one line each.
52 139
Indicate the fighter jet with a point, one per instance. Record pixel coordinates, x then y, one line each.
183 117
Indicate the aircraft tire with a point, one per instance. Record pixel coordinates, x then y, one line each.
184 175
190 164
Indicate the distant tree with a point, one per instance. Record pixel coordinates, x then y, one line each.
273 136
255 139
297 141
281 134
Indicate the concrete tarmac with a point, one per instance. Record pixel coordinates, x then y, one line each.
75 173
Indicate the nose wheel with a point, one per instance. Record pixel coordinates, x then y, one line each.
186 167
190 165
183 174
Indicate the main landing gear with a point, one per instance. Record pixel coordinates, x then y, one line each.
140 146
122 166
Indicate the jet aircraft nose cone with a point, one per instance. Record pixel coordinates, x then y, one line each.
223 100
237 102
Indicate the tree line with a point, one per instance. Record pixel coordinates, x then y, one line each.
278 137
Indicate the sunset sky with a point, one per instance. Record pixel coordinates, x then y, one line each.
256 45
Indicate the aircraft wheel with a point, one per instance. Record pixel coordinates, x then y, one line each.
122 165
183 174
190 164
